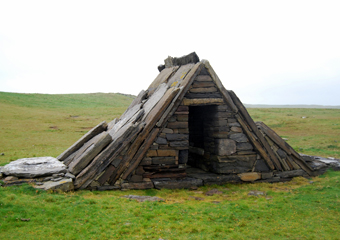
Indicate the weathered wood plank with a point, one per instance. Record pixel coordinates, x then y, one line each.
93 132
203 84
253 127
127 116
162 77
202 101
203 78
150 122
275 148
141 96
257 145
285 146
203 90
180 74
177 125
99 164
141 152
91 149
102 179
203 95
154 99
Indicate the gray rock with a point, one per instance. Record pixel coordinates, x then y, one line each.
57 179
257 193
70 175
34 167
239 137
47 179
65 185
225 147
144 198
10 178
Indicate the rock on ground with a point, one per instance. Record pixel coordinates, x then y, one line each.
64 185
34 167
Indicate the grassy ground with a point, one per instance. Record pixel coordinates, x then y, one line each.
45 125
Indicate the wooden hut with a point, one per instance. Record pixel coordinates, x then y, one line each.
185 130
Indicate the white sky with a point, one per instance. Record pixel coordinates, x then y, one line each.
268 52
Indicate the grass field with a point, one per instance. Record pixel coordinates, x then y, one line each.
45 125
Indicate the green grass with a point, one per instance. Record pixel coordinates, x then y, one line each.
45 125
294 210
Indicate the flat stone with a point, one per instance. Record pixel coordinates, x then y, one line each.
34 167
257 193
177 184
10 178
144 198
250 177
236 129
70 175
261 166
225 147
244 146
239 137
213 192
65 185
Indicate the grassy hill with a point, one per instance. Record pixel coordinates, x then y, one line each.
45 125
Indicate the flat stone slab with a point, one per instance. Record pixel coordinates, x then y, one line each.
64 185
144 198
34 167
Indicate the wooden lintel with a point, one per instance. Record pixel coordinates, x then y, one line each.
202 101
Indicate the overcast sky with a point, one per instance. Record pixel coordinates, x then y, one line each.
267 52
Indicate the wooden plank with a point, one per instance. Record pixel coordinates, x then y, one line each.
257 145
177 125
285 146
154 99
203 78
203 90
91 149
93 132
99 163
127 116
202 84
292 162
202 101
253 127
141 152
102 179
150 122
203 95
180 74
162 77
275 148
140 97
274 137
220 86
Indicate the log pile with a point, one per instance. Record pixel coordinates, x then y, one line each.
185 117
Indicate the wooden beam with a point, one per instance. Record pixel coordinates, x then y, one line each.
202 101
141 152
253 127
93 132
257 145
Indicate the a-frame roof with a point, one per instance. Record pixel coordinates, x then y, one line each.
112 151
